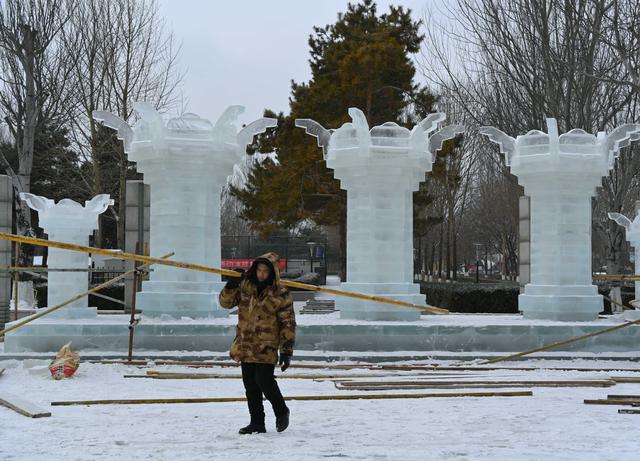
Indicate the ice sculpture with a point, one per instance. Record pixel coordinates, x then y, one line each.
70 222
560 174
380 168
186 163
632 229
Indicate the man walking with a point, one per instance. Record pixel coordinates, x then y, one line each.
266 325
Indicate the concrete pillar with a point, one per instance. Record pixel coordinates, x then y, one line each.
524 242
137 208
6 218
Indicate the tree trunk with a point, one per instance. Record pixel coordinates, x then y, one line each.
486 260
432 260
25 154
453 243
417 260
122 192
448 261
440 251
614 248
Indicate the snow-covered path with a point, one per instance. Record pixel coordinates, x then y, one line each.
553 424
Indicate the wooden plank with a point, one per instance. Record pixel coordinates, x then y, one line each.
625 379
629 412
152 374
464 385
497 368
22 406
574 383
630 402
205 364
299 397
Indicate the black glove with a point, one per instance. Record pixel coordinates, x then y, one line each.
285 361
234 282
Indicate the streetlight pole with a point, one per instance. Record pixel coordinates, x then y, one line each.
311 245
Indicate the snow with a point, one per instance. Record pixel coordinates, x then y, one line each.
552 424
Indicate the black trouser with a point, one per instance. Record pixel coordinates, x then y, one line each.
258 379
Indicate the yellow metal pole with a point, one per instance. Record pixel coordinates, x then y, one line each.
560 343
197 267
618 277
75 298
16 281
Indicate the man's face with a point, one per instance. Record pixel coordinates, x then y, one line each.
262 272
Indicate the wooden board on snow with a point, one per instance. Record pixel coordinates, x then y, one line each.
22 406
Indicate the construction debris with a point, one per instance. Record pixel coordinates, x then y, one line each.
319 306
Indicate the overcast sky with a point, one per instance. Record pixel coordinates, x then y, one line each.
247 51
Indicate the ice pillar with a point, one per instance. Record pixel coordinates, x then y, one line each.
186 163
70 222
380 169
560 175
632 229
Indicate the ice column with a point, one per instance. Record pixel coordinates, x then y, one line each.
632 229
380 169
560 175
186 163
70 222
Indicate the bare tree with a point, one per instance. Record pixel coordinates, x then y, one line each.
33 75
125 54
621 32
526 60
493 216
513 63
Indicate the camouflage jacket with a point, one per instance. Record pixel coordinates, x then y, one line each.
266 322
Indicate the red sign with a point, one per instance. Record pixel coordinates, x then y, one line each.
245 264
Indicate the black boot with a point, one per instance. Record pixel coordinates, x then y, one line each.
282 421
253 428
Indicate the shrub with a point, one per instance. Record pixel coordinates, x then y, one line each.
495 298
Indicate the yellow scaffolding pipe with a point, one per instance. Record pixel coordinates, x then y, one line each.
75 298
197 267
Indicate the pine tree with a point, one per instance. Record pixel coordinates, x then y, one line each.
363 60
56 167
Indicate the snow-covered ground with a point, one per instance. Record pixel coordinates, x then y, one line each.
553 424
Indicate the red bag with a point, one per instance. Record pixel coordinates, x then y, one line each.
65 364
